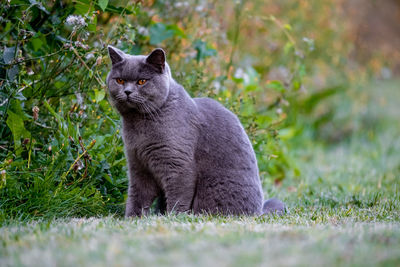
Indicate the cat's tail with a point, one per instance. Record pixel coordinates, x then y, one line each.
274 205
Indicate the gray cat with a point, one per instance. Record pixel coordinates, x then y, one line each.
190 153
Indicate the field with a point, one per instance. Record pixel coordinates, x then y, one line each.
315 84
343 210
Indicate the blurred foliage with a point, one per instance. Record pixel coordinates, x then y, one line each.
276 64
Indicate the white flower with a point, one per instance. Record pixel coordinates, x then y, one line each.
181 4
199 8
89 56
81 45
216 85
76 21
142 31
241 74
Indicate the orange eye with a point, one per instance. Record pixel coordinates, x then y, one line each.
120 81
141 81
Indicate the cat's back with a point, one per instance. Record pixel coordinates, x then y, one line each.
228 180
222 133
212 112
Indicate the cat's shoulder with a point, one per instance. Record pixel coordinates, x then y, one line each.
208 103
215 110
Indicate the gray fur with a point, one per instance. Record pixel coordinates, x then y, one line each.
193 154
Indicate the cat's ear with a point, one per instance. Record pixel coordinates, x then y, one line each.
157 59
115 54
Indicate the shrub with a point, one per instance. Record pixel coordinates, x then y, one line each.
61 152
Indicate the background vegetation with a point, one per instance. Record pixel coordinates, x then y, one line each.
290 70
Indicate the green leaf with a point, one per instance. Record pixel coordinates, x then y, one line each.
159 32
288 27
99 95
203 50
16 124
8 54
83 7
296 85
103 4
119 10
108 178
177 30
36 43
92 25
61 122
277 86
19 96
288 46
39 5
8 58
287 133
311 102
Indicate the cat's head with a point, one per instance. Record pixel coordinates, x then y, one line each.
138 83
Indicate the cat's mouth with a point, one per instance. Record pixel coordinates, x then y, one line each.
131 102
134 102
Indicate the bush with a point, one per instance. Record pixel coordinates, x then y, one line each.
61 152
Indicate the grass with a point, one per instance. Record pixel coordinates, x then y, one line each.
344 210
188 240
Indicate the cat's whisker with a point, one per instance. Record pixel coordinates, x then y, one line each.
149 108
140 102
154 110
141 105
147 111
151 113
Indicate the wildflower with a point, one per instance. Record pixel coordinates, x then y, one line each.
142 31
89 56
78 165
181 4
35 111
30 72
67 46
199 8
216 85
241 74
98 61
76 21
81 45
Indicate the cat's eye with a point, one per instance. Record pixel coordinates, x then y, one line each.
120 81
141 81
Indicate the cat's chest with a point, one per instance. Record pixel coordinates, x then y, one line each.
139 140
135 135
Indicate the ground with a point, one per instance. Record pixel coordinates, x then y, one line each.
344 209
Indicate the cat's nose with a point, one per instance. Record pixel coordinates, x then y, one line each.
128 92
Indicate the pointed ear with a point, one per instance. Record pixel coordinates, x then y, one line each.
115 54
157 59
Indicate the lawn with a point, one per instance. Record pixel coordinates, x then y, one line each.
343 210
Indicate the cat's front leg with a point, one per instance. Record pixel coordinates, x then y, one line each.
179 191
141 193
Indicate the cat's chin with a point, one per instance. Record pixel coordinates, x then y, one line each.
130 103
133 106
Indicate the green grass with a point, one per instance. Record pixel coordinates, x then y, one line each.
200 241
344 209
